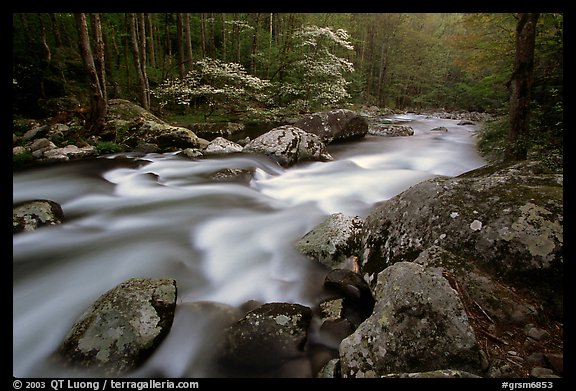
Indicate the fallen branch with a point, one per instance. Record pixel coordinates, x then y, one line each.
484 312
494 337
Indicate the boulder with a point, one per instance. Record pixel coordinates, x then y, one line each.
266 337
334 241
122 328
131 124
335 125
288 145
30 215
506 219
220 145
390 130
418 325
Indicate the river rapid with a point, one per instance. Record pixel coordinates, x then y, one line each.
161 215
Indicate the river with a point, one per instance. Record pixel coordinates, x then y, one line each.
161 215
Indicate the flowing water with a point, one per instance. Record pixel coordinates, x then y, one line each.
228 242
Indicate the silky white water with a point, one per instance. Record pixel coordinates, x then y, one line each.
223 241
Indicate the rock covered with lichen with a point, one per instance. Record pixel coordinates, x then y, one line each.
136 126
506 219
288 145
333 241
266 337
122 328
30 215
418 324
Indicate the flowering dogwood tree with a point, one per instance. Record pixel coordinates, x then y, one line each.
214 84
318 74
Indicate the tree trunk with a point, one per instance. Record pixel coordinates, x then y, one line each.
98 106
188 41
521 84
151 46
203 34
237 37
126 51
44 39
100 57
144 93
179 40
381 73
144 61
254 44
223 36
56 30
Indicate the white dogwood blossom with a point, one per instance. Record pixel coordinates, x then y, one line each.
214 83
320 71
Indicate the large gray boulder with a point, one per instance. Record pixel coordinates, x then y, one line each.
288 145
335 125
418 325
507 220
122 328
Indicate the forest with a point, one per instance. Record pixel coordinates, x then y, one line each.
263 66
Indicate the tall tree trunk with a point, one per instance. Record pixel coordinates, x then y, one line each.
223 36
56 30
151 45
254 44
167 52
99 61
188 41
144 60
212 35
521 84
203 34
382 72
237 37
44 39
179 40
270 31
144 93
98 106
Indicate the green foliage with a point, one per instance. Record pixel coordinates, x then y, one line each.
106 147
21 159
492 139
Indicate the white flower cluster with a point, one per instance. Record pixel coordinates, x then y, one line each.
322 72
213 82
313 35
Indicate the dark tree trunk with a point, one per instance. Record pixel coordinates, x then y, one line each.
254 44
98 106
521 85
188 41
180 41
151 46
144 93
99 61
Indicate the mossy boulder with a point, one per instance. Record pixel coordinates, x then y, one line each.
505 219
122 328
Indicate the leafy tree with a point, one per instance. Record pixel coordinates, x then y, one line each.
316 76
213 84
